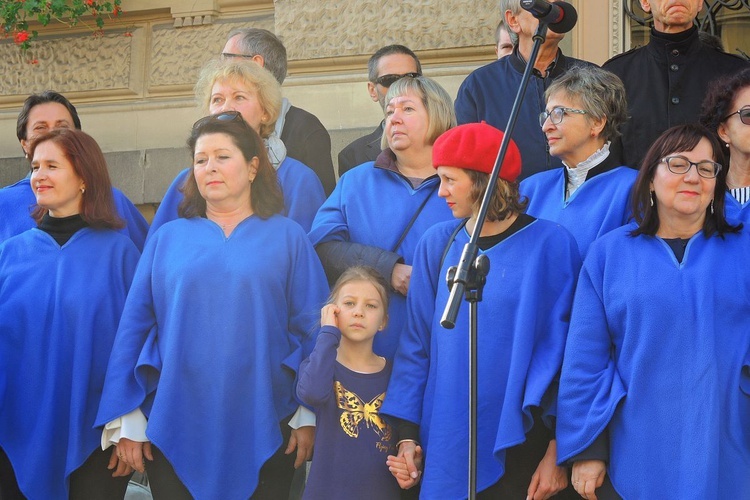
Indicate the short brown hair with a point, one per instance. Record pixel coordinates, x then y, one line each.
506 201
87 159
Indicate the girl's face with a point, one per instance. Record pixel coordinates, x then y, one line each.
455 188
361 311
222 173
55 183
234 95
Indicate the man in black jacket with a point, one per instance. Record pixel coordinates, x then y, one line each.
305 138
384 67
666 80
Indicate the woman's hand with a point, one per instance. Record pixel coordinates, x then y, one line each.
400 278
120 467
548 479
303 439
133 453
588 475
407 466
329 315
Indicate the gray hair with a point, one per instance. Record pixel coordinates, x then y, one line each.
257 41
502 26
435 99
601 94
514 6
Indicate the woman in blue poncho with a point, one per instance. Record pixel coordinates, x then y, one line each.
654 395
590 194
523 321
219 317
726 109
62 289
41 113
380 209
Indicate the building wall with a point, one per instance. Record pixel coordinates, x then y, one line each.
133 85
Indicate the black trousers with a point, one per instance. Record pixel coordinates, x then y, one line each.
521 462
274 482
91 481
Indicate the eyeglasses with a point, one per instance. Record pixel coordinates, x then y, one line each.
229 55
680 165
556 114
744 115
388 80
226 116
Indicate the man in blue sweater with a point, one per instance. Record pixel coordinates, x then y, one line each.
487 94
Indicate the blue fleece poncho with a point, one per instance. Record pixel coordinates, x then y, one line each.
303 195
659 354
523 321
17 202
211 337
599 205
372 206
59 310
735 212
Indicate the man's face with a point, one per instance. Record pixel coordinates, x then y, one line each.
504 45
392 64
672 16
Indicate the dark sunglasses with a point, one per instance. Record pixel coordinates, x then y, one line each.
226 116
744 115
388 80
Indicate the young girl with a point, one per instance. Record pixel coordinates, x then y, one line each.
345 382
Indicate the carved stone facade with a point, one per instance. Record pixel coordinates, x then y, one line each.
335 29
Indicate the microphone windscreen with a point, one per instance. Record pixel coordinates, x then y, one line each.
569 18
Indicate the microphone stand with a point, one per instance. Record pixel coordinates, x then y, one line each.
469 277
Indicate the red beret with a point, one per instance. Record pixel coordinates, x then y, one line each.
475 146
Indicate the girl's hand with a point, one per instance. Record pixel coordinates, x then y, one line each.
329 315
407 466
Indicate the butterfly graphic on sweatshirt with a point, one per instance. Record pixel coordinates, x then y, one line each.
357 411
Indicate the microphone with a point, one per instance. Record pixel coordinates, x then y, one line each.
560 17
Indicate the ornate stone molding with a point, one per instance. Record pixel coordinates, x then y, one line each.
69 64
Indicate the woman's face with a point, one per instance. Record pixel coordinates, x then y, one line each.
45 117
406 122
455 188
576 137
55 183
235 95
684 196
735 133
222 173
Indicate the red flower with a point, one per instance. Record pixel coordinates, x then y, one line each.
89 2
21 37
